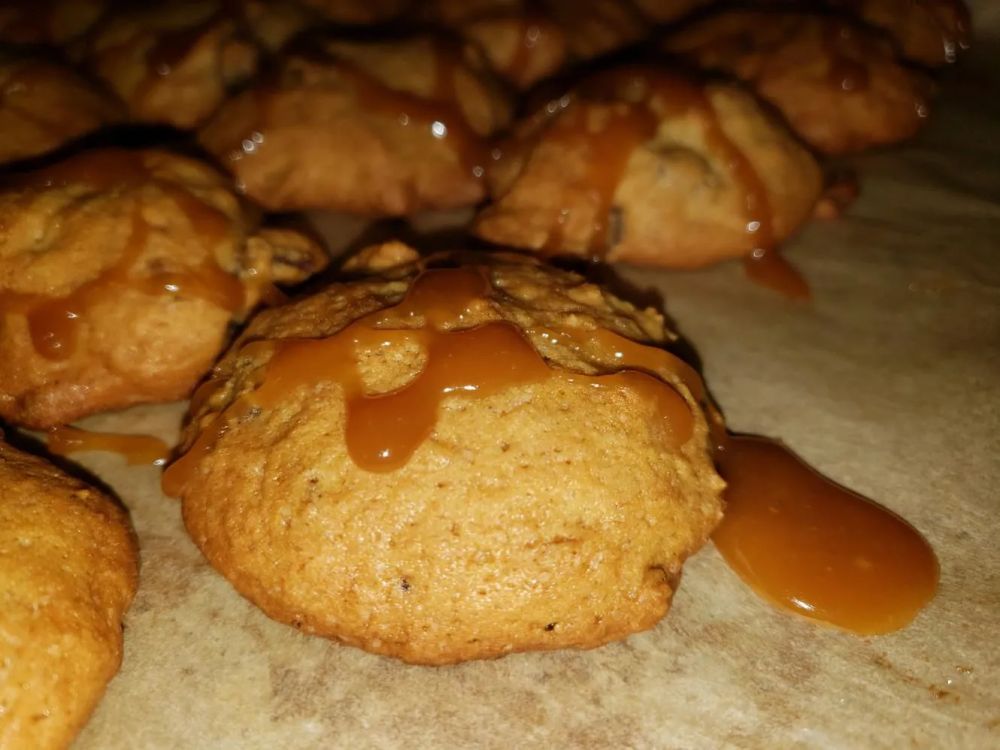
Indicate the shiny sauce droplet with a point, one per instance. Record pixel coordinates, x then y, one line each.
136 449
810 546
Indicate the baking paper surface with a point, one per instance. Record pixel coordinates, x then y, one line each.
889 382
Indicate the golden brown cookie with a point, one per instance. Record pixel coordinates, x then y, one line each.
839 85
46 104
69 567
529 41
47 21
172 63
120 273
523 44
379 127
640 165
452 465
931 32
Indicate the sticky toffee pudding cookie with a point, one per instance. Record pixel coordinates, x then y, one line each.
379 127
451 463
120 273
172 63
840 85
523 44
46 104
641 165
69 566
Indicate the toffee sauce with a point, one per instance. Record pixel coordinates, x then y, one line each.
54 321
796 538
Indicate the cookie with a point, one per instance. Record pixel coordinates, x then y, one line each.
641 165
450 463
69 565
120 274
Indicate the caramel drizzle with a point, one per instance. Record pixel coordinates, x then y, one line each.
384 430
799 540
815 548
54 321
136 449
627 127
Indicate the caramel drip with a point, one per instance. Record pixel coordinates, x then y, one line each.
768 268
644 96
136 449
607 151
53 322
796 538
815 548
764 265
383 430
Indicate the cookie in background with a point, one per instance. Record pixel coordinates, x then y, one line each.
385 126
840 85
46 104
120 275
640 164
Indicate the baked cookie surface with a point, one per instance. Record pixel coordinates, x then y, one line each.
451 464
69 566
641 165
173 63
374 127
120 272
839 85
46 104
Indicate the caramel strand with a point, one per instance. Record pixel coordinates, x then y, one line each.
54 321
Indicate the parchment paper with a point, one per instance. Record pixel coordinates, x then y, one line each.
889 381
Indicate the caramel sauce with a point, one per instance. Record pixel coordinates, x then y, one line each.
136 449
53 322
818 549
608 150
796 538
383 430
632 101
768 268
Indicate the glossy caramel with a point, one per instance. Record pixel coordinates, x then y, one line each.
815 548
54 321
796 538
768 268
383 430
135 449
